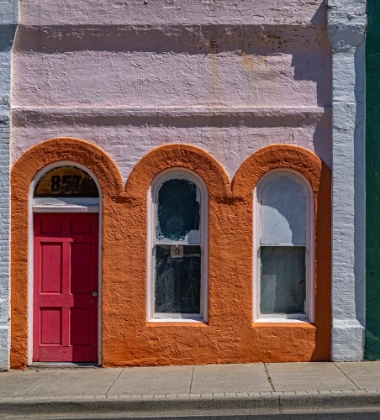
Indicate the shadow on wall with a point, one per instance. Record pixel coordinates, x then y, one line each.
318 67
7 34
359 188
315 62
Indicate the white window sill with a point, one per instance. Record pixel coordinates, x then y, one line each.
278 320
184 320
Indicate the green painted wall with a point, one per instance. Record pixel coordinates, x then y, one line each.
372 348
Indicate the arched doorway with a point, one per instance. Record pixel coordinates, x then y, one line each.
66 265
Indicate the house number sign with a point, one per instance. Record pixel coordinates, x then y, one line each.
66 181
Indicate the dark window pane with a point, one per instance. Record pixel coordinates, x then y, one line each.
283 273
177 280
178 209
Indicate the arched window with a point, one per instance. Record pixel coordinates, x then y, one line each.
67 188
284 252
177 282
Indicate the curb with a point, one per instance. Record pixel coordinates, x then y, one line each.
156 403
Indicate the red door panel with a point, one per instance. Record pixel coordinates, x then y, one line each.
65 282
51 321
51 267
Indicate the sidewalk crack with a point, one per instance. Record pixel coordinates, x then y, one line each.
269 378
117 377
346 376
39 382
191 383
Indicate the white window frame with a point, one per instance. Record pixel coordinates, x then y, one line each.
166 175
308 316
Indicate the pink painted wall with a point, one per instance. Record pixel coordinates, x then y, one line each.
228 76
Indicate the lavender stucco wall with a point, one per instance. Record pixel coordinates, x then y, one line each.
230 77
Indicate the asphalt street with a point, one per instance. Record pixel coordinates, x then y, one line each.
357 415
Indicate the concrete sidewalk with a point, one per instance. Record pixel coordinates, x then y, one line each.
258 387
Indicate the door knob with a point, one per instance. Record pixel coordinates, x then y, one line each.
94 294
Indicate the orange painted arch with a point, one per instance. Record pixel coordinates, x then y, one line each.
22 174
317 347
230 336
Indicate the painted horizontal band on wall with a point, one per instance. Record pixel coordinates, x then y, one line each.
167 116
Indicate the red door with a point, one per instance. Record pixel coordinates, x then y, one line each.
65 287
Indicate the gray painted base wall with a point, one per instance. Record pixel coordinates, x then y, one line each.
347 25
8 25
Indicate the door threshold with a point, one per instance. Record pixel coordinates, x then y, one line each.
62 365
